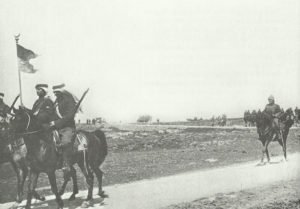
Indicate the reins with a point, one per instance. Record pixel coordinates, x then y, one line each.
28 133
27 126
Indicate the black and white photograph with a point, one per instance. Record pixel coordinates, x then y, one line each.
163 104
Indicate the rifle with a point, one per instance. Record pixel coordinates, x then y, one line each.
79 102
13 104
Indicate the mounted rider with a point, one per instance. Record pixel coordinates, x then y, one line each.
273 110
43 107
4 111
65 106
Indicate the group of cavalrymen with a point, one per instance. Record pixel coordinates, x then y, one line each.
53 116
59 115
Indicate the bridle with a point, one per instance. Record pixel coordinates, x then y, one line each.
27 126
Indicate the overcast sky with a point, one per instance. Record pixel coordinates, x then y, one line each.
172 59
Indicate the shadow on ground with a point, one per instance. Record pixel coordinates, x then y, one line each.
51 203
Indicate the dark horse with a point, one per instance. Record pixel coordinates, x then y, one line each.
250 118
267 133
14 151
297 115
42 156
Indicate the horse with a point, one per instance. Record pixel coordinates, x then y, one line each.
96 153
267 133
14 151
297 116
43 157
252 118
246 117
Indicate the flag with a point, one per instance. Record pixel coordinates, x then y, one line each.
24 55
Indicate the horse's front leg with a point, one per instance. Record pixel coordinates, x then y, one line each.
23 174
19 174
37 195
284 137
75 185
263 150
52 180
32 182
67 176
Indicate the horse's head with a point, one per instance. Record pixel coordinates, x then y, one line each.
262 119
297 113
289 117
21 120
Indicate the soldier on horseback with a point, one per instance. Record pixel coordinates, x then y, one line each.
43 107
273 110
65 106
4 110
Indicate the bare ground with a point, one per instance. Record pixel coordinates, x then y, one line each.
283 195
145 152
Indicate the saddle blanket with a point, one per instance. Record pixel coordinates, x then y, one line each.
80 141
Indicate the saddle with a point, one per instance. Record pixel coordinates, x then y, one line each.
80 142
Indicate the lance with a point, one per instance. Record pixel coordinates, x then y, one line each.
79 102
13 104
19 72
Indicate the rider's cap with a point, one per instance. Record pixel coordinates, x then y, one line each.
271 97
42 86
1 95
59 88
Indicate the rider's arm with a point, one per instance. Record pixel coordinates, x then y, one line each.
49 107
46 112
68 115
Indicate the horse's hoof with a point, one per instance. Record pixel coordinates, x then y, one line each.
103 195
72 197
87 203
19 199
60 193
261 164
42 198
60 204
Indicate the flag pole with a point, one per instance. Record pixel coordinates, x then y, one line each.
19 72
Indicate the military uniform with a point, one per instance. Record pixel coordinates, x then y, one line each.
274 110
43 109
4 110
65 123
65 105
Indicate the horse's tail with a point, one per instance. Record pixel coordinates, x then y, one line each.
100 134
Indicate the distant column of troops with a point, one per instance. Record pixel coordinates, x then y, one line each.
250 117
93 121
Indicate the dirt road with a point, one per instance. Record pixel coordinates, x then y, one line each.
161 192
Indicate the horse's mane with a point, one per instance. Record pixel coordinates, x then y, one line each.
32 118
